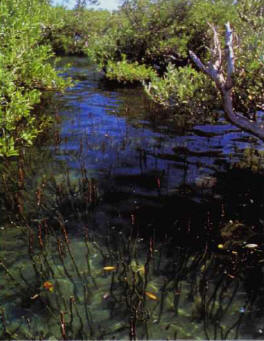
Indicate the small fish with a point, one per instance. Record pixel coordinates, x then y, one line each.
34 297
151 295
48 286
106 296
251 246
231 276
220 246
109 268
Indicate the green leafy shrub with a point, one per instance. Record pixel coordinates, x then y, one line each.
69 31
102 48
189 89
249 52
146 32
183 88
126 72
24 71
157 33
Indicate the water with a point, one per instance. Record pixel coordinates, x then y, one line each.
122 224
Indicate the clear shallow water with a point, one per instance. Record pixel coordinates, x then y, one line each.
115 186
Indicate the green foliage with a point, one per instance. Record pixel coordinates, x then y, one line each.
69 31
103 46
124 72
249 51
183 88
158 32
202 12
145 31
154 30
24 71
217 12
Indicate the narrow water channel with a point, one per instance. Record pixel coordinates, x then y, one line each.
121 224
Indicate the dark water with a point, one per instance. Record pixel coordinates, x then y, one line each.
122 224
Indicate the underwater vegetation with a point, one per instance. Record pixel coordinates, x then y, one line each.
79 283
81 289
127 227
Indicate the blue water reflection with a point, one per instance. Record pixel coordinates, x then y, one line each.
117 138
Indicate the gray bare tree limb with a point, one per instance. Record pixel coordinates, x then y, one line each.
229 56
224 80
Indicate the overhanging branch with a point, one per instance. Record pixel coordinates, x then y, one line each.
224 80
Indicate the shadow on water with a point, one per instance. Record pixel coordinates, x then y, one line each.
122 224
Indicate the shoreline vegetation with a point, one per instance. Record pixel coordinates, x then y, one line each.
25 73
144 41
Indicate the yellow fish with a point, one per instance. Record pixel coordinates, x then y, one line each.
109 268
48 286
151 295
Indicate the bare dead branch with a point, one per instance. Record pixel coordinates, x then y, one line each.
215 71
198 62
210 70
229 56
216 52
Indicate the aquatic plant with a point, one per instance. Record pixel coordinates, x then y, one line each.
120 285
